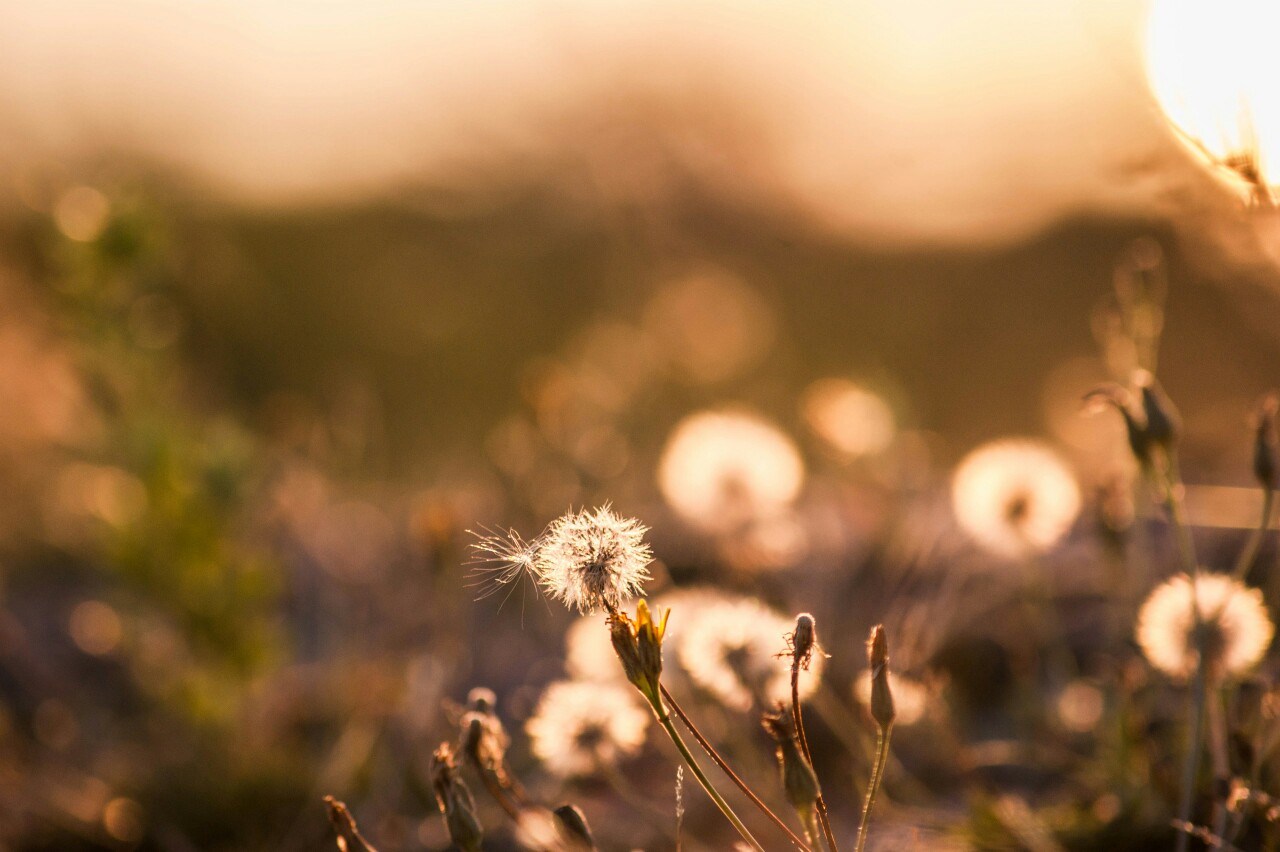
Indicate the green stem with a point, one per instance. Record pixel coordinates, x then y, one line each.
665 718
727 770
1250 552
823 819
877 774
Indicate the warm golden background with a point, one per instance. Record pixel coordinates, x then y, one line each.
292 292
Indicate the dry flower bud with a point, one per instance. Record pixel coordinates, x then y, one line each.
344 825
638 645
484 740
881 704
573 825
1134 427
802 640
799 781
1266 464
1163 425
622 634
455 800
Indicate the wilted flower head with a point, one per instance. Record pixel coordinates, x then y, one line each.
588 560
1015 497
579 727
721 470
1237 628
589 654
729 646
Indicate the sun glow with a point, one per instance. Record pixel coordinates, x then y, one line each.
1215 71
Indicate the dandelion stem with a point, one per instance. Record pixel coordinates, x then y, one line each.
1250 552
877 775
1195 737
804 747
725 768
1219 759
665 719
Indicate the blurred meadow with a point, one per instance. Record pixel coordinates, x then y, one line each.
304 305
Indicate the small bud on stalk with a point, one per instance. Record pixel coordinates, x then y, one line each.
1266 459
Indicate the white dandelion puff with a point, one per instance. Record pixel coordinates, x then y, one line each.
581 727
593 560
1238 628
1015 497
586 560
730 647
723 469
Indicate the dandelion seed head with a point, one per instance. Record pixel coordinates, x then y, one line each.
593 560
1015 497
729 646
910 696
723 469
579 727
1239 628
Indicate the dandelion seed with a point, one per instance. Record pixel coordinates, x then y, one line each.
501 560
722 470
729 647
580 727
1015 497
593 560
1238 628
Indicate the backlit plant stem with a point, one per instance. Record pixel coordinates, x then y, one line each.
823 819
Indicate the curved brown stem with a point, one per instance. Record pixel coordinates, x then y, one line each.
724 767
823 819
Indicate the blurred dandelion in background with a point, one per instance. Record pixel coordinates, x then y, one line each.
1235 616
582 727
852 421
721 470
1015 497
730 647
